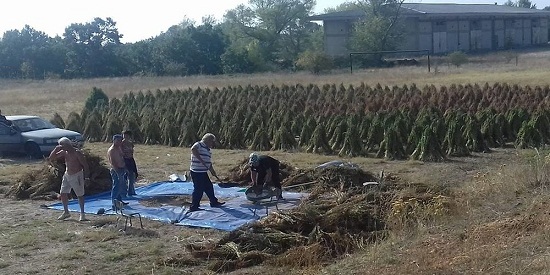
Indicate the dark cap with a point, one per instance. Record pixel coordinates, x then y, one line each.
117 136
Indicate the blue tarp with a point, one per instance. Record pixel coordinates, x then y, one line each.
236 212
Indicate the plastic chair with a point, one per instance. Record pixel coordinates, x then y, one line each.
127 215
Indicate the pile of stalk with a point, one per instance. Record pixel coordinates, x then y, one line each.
427 123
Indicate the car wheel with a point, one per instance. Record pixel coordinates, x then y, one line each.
33 150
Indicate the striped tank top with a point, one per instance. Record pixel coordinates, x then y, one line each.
206 155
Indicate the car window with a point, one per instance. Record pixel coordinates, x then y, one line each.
39 124
32 124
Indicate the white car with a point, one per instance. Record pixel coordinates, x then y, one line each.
33 136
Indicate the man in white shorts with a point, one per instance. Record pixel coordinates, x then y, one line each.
76 173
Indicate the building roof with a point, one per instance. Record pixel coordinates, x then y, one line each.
438 9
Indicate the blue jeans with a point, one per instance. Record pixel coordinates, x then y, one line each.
201 185
117 176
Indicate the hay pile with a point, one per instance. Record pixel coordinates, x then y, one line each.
45 182
339 216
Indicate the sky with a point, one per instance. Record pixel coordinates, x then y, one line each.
139 20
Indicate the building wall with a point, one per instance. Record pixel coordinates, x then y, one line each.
337 33
443 35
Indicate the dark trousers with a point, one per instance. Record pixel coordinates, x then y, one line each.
202 184
275 180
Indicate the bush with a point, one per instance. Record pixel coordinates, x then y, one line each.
313 61
96 97
457 58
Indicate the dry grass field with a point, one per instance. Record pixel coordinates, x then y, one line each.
498 223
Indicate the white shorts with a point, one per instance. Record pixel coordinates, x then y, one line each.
74 181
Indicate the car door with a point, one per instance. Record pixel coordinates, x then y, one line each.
10 139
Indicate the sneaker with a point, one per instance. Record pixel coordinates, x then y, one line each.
63 216
217 204
193 209
83 218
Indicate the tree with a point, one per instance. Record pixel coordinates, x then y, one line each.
91 48
346 6
277 26
381 29
526 4
210 43
30 54
521 4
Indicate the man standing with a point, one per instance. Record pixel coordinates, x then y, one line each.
118 168
76 173
130 162
201 163
265 169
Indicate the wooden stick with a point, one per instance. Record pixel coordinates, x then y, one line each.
298 185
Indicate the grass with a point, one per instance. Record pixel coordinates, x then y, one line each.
498 225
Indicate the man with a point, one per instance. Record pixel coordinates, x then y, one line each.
129 161
76 173
118 168
201 163
265 169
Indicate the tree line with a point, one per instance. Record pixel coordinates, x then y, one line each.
258 36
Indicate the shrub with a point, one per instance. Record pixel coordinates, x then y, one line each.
457 58
96 97
315 62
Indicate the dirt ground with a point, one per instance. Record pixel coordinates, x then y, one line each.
33 241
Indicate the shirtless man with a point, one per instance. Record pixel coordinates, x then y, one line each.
118 168
76 173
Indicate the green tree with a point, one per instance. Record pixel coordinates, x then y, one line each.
346 6
91 48
277 26
521 4
210 43
381 29
30 53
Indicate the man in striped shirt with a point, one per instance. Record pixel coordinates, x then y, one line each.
201 163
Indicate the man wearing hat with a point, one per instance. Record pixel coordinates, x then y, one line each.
118 168
265 169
